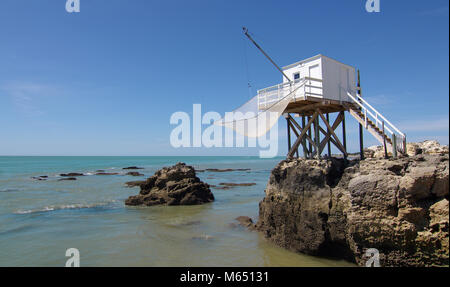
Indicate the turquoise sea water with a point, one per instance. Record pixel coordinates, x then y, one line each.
40 220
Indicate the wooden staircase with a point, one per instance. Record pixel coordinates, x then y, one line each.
377 125
371 127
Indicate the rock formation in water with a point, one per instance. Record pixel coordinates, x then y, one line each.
176 185
134 173
339 208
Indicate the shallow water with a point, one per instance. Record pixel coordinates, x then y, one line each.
40 220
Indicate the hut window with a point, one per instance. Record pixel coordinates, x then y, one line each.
296 76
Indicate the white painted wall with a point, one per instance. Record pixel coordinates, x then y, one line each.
338 80
337 77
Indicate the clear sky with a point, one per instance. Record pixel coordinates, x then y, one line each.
105 81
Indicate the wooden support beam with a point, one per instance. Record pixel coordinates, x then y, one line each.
384 141
394 145
293 124
329 145
310 135
310 107
317 137
361 130
341 147
329 140
300 138
344 135
336 123
306 137
305 149
288 132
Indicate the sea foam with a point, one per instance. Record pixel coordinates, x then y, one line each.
64 206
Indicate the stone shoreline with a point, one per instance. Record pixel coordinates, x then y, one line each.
338 208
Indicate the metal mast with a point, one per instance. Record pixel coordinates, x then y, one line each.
262 51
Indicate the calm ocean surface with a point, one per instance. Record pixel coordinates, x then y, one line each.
40 220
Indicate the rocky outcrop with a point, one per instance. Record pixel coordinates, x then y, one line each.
176 185
412 149
426 147
342 208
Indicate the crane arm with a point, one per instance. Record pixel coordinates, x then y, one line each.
264 53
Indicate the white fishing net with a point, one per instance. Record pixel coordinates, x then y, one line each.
257 116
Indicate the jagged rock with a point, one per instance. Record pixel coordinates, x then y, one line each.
376 151
412 149
433 147
342 208
176 185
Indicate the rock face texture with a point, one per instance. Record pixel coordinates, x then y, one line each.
412 149
338 208
176 185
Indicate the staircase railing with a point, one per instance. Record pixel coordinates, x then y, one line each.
398 138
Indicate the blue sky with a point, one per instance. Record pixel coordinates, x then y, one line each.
105 81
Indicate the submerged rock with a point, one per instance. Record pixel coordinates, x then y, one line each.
231 184
135 183
134 173
339 208
133 167
72 174
246 222
42 177
176 185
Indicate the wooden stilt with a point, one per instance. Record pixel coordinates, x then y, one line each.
288 132
332 133
294 125
344 135
394 145
310 135
361 131
384 141
317 138
302 134
328 131
305 149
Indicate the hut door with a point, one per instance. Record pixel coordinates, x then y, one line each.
314 72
